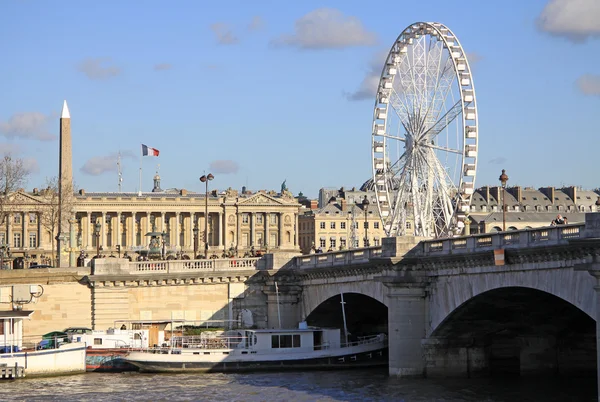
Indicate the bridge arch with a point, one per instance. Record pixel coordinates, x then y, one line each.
316 294
451 292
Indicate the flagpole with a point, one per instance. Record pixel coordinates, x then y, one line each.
140 185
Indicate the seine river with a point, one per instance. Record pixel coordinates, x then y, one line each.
364 385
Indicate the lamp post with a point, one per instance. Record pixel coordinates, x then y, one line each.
503 179
195 230
163 236
205 179
97 229
365 204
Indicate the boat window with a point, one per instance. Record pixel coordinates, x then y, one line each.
206 353
225 353
285 341
97 341
244 353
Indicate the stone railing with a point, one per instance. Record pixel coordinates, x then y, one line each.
545 236
336 258
108 266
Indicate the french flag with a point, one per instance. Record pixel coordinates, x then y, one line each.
147 151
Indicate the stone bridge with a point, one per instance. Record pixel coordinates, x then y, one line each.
510 302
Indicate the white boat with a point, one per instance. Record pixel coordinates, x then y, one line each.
18 359
262 349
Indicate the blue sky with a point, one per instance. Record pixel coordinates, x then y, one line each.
242 90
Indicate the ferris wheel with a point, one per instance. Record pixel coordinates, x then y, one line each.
424 140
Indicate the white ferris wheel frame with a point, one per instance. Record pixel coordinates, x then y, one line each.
392 214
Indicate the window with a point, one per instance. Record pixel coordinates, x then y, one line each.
356 243
342 225
273 240
17 240
366 225
408 225
245 219
97 341
355 225
33 240
322 225
273 218
342 243
332 243
332 225
322 243
376 242
2 238
32 218
259 219
285 341
375 225
17 218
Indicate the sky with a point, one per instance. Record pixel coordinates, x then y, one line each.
258 92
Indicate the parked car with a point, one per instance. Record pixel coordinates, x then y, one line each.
53 339
77 330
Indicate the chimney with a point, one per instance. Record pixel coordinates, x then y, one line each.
571 192
548 192
36 191
82 192
495 192
183 192
515 192
314 204
344 205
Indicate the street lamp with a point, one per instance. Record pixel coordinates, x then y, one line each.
163 236
365 204
195 230
97 229
205 179
503 179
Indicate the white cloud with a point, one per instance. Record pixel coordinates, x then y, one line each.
577 20
10 149
96 69
589 84
224 166
327 28
98 165
162 66
368 87
28 125
256 24
224 34
474 58
31 165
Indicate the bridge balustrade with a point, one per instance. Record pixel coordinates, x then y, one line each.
336 258
552 235
178 266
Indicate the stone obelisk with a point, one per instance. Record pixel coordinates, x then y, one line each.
65 178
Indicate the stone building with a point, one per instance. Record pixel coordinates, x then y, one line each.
119 222
344 222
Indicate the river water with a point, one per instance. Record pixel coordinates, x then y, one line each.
326 386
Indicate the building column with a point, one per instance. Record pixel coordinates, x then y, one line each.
119 234
193 224
280 227
90 230
406 328
25 230
296 231
162 222
177 242
103 231
221 224
72 241
267 240
9 239
146 241
238 231
39 230
252 229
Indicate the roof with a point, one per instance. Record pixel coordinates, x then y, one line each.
15 314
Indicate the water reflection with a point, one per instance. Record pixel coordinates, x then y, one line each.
363 385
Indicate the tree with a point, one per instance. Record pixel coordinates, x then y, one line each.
53 215
13 176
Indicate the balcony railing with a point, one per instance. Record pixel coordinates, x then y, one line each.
105 266
337 258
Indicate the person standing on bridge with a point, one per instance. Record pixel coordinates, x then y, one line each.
559 220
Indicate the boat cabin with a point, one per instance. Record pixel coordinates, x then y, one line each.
286 340
11 330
